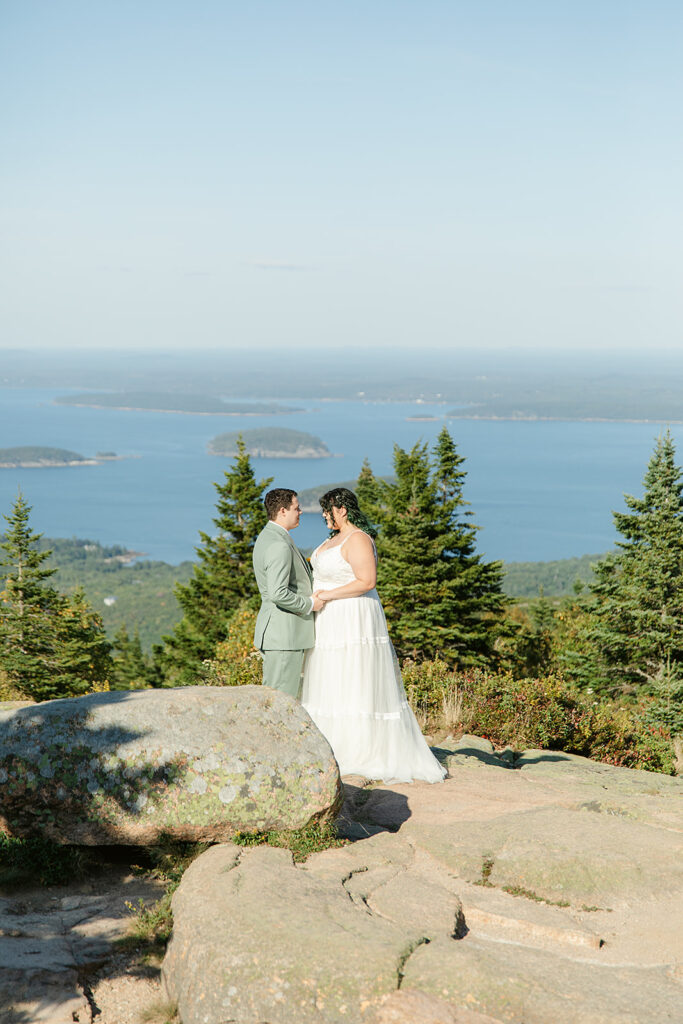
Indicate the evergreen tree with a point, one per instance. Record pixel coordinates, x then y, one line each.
526 644
50 645
130 667
27 603
368 492
223 577
81 652
635 621
440 598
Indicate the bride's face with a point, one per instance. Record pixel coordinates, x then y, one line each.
334 519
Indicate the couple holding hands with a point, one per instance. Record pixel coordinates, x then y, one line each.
327 622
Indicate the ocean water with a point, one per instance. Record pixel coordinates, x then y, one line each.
538 490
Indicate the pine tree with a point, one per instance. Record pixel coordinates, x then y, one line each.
635 621
223 577
50 645
526 646
81 652
440 598
130 667
368 492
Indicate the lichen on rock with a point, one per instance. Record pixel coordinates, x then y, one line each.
195 763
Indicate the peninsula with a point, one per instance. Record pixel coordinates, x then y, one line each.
154 401
37 457
271 443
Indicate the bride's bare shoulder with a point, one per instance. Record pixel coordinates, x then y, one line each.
361 540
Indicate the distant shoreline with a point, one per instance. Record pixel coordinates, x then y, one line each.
275 454
174 412
559 419
489 417
47 464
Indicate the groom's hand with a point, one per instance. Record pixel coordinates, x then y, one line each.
317 603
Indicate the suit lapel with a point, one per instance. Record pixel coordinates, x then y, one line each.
303 560
292 545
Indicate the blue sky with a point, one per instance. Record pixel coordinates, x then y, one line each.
215 174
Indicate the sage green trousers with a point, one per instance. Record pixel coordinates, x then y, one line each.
282 671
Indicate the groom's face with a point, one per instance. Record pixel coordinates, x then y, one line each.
289 517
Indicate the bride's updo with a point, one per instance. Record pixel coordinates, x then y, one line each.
342 497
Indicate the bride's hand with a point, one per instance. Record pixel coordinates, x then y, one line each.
321 595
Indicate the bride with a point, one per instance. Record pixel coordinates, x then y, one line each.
352 686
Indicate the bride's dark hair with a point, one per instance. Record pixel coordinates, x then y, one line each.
342 497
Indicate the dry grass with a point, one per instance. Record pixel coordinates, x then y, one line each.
447 718
161 1012
678 754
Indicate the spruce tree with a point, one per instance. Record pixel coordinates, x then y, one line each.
223 576
368 492
50 645
130 668
635 621
81 652
439 596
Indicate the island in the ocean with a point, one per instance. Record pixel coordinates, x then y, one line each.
271 443
38 457
155 401
308 498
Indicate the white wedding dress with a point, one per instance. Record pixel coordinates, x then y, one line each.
352 686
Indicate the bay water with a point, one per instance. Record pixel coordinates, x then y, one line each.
539 490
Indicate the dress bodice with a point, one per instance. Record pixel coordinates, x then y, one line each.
330 568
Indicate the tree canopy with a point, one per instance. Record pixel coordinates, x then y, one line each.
50 645
440 597
635 615
223 577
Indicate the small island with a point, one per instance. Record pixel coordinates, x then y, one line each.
309 496
189 404
271 443
38 457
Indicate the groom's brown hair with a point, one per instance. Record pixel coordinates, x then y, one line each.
280 497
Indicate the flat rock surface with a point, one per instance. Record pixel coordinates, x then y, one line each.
194 763
521 890
50 937
549 892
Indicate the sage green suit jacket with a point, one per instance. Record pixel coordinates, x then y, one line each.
284 578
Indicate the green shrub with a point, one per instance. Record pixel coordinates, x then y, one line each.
8 691
300 842
152 923
236 662
42 861
543 712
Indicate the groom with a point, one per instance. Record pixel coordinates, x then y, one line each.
284 626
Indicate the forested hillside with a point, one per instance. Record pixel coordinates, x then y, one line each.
142 590
555 579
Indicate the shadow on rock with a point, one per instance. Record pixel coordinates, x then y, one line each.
195 764
359 817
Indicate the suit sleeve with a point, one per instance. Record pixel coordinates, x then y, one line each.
278 568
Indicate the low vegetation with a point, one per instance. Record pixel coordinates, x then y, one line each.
301 843
546 712
38 861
